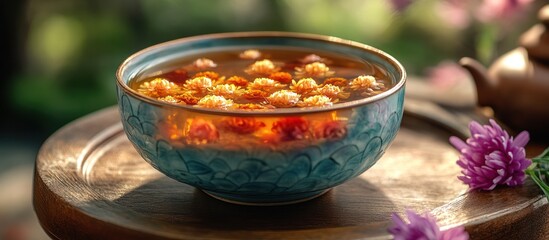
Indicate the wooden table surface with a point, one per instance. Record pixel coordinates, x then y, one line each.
91 184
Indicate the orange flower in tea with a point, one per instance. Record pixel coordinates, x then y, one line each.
209 74
212 101
316 69
265 84
304 86
337 81
242 125
281 77
255 95
158 87
291 128
283 98
333 92
238 81
318 85
363 82
229 91
188 98
263 67
198 84
332 130
201 131
316 101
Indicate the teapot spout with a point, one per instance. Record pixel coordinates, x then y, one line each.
482 81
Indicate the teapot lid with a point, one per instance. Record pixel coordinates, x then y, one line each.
536 39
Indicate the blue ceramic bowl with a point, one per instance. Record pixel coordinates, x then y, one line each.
255 172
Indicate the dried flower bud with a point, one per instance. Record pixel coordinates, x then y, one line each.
337 81
242 125
316 101
212 101
263 67
250 54
304 86
201 131
209 74
226 90
198 84
363 82
265 84
204 63
281 77
291 128
316 69
283 98
158 87
238 81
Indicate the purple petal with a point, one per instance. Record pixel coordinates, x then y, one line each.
458 143
522 139
457 233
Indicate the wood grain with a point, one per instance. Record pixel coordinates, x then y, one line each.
91 184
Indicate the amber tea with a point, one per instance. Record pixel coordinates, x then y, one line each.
264 78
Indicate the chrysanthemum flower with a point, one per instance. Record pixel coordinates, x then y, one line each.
315 69
204 63
336 81
226 90
212 101
209 74
291 128
265 84
187 97
170 99
331 129
263 67
423 227
237 81
281 77
316 101
283 98
255 95
304 86
490 157
250 54
158 87
363 82
201 131
333 92
242 125
313 58
198 84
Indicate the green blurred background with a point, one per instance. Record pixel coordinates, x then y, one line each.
63 54
60 56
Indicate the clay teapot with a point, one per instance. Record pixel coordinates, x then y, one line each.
516 85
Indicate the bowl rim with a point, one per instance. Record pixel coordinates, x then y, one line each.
263 34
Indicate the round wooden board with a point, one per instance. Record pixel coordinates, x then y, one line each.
91 184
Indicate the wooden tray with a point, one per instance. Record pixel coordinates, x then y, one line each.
91 184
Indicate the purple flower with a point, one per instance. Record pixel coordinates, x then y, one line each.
454 12
400 5
499 10
490 157
423 228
